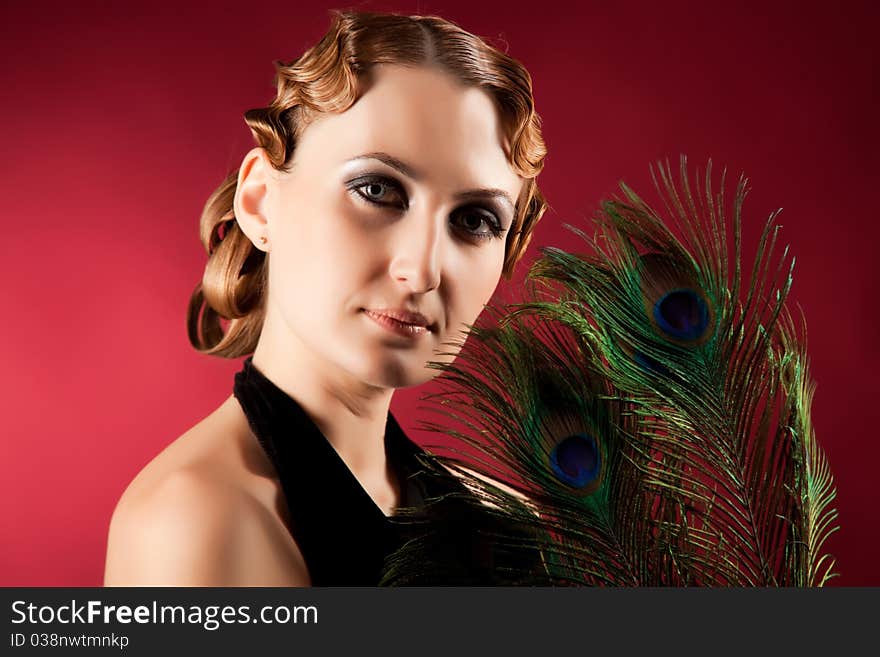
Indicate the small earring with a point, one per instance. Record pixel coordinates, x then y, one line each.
263 240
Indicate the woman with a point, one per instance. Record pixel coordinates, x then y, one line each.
392 185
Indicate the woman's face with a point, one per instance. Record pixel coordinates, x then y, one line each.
402 202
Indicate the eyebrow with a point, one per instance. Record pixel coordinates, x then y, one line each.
410 172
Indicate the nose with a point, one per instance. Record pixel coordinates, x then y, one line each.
416 254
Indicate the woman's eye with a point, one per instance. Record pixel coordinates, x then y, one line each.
472 219
379 192
375 190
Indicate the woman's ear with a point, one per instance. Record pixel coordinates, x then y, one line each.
251 195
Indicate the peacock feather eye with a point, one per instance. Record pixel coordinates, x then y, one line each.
682 314
674 300
576 460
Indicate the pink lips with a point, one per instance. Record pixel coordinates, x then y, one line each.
400 322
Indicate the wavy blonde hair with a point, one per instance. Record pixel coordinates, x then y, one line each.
226 310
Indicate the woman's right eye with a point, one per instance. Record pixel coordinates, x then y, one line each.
379 192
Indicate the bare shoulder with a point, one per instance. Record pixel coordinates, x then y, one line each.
204 512
181 531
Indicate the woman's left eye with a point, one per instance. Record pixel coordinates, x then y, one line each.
379 192
473 217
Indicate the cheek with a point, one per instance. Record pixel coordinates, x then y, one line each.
323 259
313 230
475 285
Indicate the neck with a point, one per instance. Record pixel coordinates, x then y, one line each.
349 412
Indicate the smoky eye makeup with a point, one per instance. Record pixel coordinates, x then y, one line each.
378 190
383 191
483 215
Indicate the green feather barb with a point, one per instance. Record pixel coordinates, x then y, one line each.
647 409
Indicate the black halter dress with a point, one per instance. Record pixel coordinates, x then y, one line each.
343 535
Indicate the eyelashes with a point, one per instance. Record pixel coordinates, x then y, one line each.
374 190
381 191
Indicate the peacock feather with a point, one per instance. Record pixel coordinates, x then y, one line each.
642 418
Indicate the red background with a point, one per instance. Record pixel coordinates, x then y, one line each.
120 119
